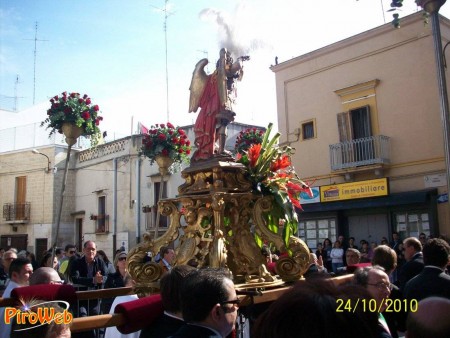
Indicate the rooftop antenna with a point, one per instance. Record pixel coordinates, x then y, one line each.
35 52
15 93
166 15
206 54
382 10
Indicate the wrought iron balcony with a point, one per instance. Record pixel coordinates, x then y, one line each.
17 212
102 224
360 152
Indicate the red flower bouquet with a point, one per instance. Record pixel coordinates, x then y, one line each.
246 138
76 109
166 140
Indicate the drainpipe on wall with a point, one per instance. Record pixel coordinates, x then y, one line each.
137 205
114 206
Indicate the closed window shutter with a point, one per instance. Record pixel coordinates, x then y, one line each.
344 126
21 193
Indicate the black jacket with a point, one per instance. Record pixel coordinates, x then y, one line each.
410 269
79 271
432 281
162 327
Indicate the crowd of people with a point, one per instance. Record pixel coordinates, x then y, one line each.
385 298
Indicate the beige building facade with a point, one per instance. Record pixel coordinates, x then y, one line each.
30 186
364 116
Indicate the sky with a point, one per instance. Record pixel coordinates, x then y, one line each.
115 51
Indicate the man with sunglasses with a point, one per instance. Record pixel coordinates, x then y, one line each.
69 251
209 304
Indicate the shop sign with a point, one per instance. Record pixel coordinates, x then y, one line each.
306 199
353 190
433 181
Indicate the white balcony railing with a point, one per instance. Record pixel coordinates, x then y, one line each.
360 152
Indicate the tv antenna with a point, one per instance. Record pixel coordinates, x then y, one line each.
16 84
35 52
205 52
167 13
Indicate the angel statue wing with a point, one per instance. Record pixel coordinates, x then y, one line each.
198 83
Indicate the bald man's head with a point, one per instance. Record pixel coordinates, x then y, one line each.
430 319
45 275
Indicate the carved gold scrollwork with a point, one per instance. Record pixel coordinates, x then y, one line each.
245 255
288 268
218 253
146 274
193 232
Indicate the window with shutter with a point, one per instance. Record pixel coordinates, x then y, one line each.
21 193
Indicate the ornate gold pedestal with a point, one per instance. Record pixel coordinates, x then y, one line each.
212 223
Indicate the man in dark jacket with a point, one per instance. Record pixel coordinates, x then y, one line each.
414 264
432 281
89 272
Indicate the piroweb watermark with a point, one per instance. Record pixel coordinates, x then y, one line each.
38 315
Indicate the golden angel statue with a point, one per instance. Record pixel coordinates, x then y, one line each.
214 94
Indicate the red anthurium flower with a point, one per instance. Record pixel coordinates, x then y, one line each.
294 200
253 154
294 188
281 163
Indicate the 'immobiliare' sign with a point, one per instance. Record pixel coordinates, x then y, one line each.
353 190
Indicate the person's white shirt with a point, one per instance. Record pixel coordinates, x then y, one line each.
112 332
5 329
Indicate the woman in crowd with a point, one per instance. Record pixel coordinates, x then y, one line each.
365 250
337 256
327 247
115 280
109 266
321 252
47 261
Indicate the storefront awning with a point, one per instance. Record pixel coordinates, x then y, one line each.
403 198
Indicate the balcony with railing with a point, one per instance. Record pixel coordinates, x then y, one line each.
360 152
17 213
101 223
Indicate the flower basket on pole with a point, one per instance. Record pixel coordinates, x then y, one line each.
72 115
